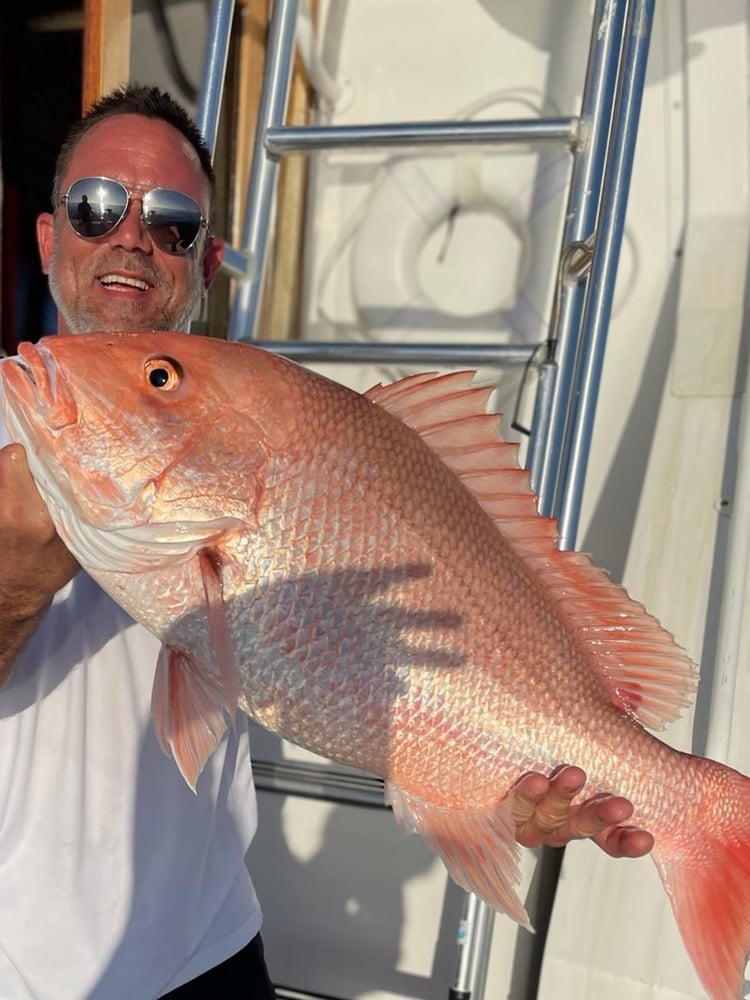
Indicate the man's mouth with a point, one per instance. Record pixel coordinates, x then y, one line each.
121 280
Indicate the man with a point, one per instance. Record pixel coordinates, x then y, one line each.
119 881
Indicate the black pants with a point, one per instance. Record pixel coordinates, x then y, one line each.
244 976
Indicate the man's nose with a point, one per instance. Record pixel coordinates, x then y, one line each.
131 233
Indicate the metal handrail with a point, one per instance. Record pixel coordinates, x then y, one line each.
308 138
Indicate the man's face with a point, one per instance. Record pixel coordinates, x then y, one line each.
123 280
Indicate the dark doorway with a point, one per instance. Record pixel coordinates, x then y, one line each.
41 44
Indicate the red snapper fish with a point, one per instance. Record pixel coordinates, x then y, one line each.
367 576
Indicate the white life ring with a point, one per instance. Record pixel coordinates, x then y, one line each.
413 199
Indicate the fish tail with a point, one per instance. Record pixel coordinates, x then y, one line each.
708 883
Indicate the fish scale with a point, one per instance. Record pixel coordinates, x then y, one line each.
368 576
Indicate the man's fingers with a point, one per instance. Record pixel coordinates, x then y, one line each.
544 813
35 561
527 794
625 842
549 806
541 806
22 508
554 809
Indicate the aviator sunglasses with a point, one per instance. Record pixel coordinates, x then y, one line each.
96 205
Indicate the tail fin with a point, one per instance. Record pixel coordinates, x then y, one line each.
708 883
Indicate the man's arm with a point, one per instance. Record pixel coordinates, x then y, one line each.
34 563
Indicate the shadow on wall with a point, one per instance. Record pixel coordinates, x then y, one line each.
333 923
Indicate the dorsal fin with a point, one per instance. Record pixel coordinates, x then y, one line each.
646 673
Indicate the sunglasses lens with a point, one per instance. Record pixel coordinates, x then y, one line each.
174 220
95 205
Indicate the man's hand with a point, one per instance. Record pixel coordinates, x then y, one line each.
544 814
34 563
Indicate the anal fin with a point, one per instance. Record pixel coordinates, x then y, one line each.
477 846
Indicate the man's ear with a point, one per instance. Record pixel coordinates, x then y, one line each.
213 255
45 236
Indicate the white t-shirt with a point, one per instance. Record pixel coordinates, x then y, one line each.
117 882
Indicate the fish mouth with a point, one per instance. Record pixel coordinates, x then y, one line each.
25 368
36 384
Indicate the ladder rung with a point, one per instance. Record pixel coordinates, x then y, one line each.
319 782
286 993
383 353
305 138
238 264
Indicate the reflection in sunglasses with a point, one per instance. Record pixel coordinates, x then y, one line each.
97 205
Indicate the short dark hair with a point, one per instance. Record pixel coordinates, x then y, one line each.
133 99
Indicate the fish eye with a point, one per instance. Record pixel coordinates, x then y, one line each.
163 373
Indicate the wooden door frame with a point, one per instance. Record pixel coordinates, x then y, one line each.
107 28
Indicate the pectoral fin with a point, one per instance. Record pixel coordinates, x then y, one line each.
221 640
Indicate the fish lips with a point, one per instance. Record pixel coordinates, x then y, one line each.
37 389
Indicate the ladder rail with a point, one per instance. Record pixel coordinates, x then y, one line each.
604 262
610 61
274 99
582 213
215 59
568 389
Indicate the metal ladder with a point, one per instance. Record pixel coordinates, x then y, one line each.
601 139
